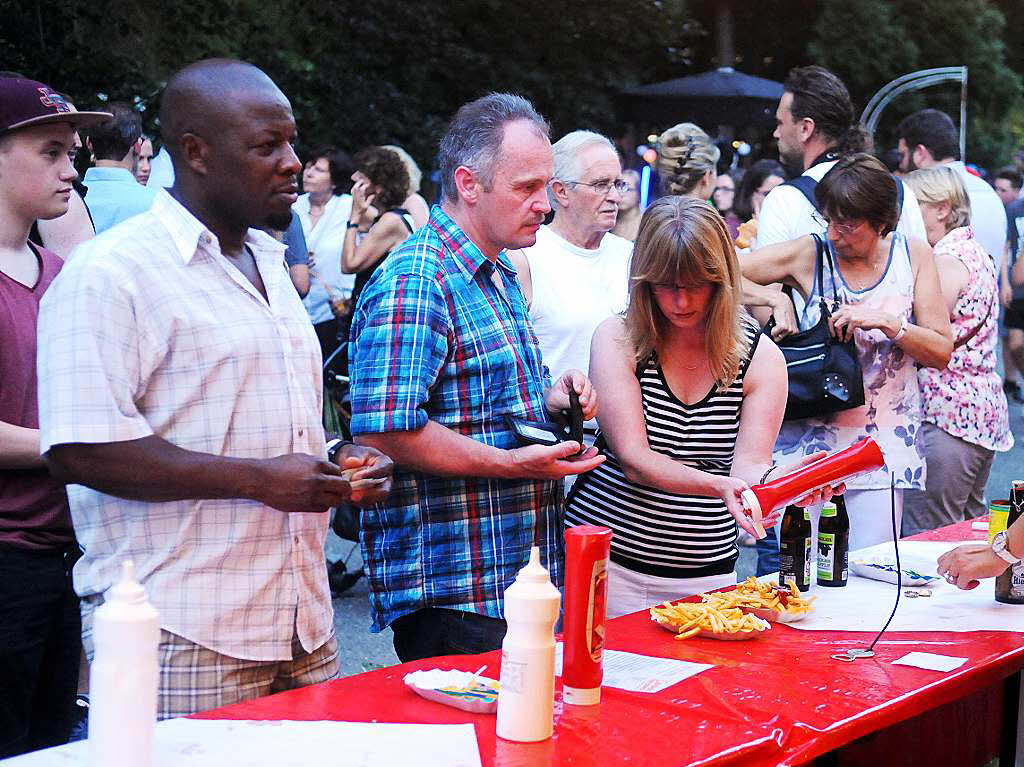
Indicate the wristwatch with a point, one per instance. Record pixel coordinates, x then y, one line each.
333 446
1000 550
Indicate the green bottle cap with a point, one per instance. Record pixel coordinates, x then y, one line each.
828 510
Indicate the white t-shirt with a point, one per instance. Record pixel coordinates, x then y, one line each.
787 214
325 241
988 214
574 291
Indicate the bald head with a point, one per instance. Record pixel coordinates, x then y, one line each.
207 97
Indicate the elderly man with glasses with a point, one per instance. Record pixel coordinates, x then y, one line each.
576 275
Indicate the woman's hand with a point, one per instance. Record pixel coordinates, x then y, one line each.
362 200
966 565
849 317
556 399
785 317
730 490
818 496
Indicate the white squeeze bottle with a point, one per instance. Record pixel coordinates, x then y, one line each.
123 677
527 696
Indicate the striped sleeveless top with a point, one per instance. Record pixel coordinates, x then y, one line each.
661 533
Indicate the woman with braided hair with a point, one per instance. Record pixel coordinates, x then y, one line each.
687 158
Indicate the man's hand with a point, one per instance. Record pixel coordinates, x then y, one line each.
966 565
369 472
301 483
543 462
1005 294
556 399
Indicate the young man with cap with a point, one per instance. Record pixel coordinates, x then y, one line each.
39 620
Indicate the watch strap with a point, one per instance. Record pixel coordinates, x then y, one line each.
1000 550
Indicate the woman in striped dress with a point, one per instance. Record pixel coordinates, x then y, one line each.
692 397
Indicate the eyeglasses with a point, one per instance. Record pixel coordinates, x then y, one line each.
604 187
845 228
725 189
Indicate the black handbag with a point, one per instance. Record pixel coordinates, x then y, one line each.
824 373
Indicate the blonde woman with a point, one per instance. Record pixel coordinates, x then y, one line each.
687 159
693 399
964 408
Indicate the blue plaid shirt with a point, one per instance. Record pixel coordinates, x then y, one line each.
434 338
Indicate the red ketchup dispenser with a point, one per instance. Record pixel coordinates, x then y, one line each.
586 591
859 458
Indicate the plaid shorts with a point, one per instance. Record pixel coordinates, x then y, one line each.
194 678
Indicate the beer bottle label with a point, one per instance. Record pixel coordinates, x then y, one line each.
827 557
1017 580
807 560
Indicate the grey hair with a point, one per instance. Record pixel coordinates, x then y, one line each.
474 137
566 153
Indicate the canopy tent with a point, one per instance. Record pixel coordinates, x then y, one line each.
719 97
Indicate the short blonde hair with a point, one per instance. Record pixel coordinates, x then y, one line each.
684 240
938 184
685 154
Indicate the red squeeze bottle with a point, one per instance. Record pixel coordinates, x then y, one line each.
586 591
859 458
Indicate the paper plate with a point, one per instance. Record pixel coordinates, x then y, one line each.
776 616
882 567
734 636
449 687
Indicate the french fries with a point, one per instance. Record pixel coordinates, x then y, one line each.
754 595
690 618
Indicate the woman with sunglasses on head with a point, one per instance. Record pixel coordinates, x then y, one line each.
687 162
965 413
693 396
890 304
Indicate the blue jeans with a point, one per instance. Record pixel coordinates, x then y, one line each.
434 631
768 553
40 646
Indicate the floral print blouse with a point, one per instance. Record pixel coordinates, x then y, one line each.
891 413
966 399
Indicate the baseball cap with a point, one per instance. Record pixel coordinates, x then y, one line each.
24 103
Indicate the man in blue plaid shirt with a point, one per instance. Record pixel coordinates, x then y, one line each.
442 350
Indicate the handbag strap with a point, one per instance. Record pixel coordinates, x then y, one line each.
976 330
819 284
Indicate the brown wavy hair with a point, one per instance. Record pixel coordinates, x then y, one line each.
684 240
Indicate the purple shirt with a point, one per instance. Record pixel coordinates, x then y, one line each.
33 507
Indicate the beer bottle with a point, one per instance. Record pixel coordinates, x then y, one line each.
1010 585
833 543
795 548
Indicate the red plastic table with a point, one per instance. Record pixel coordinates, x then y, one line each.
779 699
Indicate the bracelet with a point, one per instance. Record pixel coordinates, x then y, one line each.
351 225
902 331
764 476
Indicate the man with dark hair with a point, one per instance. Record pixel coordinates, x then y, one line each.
815 124
180 397
1007 183
442 351
114 194
929 137
40 640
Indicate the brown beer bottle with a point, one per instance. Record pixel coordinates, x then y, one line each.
833 543
1010 585
795 548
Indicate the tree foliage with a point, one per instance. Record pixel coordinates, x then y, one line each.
870 42
365 73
